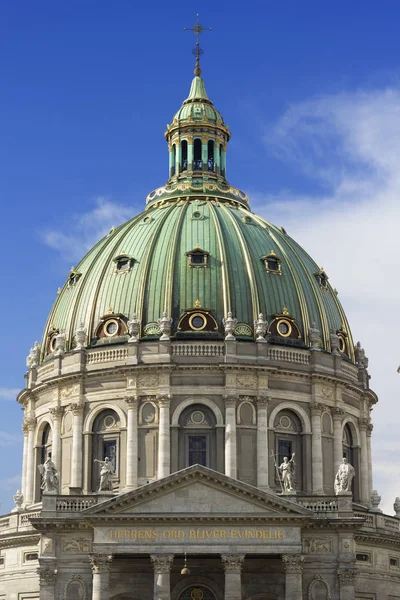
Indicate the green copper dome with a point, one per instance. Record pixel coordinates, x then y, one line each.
197 247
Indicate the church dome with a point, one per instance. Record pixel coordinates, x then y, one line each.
198 249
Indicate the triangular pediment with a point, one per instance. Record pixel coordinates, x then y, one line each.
199 491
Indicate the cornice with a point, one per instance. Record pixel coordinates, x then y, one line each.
17 539
378 539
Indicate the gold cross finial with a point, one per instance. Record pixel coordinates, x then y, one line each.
197 29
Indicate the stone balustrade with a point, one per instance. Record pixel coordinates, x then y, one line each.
182 352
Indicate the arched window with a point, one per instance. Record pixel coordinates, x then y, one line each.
173 160
347 444
47 441
197 437
106 443
210 155
197 158
184 157
221 160
288 441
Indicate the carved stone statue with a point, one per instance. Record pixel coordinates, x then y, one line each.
34 355
80 337
165 325
314 335
287 469
261 328
344 477
335 343
396 507
49 475
60 344
229 325
18 499
105 474
134 328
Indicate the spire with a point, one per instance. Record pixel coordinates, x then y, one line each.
197 29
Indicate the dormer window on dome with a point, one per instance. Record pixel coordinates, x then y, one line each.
197 258
343 340
123 263
111 325
272 263
197 319
322 278
284 326
73 277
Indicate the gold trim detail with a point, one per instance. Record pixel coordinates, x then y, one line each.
191 321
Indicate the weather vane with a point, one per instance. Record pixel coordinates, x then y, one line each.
198 29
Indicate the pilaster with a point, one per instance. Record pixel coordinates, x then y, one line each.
293 565
47 572
164 441
230 436
132 443
262 442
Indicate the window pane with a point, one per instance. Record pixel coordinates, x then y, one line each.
197 450
284 449
110 451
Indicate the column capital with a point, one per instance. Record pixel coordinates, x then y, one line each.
364 423
30 422
369 429
100 563
232 563
162 563
316 408
25 428
47 573
56 412
293 563
164 400
262 401
347 576
131 401
76 408
230 400
338 414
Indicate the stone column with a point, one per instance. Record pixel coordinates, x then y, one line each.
162 564
77 445
316 449
47 578
230 437
56 413
101 564
132 443
338 415
233 579
365 493
190 155
178 158
262 443
369 434
347 583
30 423
293 565
25 429
164 441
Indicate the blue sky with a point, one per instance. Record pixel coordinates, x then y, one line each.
311 92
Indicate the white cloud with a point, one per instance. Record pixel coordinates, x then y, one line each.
87 229
8 393
350 145
9 439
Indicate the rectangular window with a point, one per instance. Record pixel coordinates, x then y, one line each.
284 449
110 451
363 557
198 450
393 562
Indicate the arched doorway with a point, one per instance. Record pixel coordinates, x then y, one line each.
197 592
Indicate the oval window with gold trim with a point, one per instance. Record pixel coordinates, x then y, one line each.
197 321
111 328
284 328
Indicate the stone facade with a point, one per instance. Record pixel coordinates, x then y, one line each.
243 537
